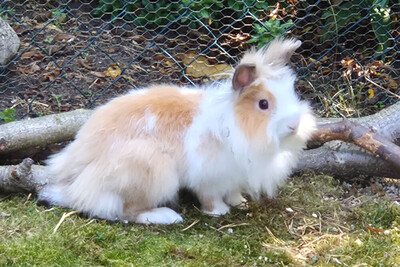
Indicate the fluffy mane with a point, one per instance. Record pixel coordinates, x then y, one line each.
271 61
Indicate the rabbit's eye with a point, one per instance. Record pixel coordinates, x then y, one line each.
263 104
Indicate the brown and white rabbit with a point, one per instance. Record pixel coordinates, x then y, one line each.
242 135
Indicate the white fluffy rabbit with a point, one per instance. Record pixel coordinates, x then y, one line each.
242 135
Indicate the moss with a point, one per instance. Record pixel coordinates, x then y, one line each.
310 222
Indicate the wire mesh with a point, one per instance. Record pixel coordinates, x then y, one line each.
78 54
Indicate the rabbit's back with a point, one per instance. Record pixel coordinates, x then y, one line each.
132 146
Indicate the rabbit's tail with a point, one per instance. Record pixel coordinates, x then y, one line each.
76 185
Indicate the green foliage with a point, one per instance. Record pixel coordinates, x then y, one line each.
8 115
152 13
380 22
339 17
145 12
193 13
4 14
58 17
48 40
269 30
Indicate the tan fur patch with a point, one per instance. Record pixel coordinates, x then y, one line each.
172 110
131 212
251 120
207 204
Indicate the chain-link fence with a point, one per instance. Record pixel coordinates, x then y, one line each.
80 53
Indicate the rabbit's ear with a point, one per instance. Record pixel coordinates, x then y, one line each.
244 75
279 51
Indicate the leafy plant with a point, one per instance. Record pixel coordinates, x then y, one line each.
205 10
339 17
269 30
58 17
145 13
152 13
7 115
5 13
48 40
212 12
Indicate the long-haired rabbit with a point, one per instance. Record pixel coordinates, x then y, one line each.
242 135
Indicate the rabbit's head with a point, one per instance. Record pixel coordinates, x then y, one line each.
267 109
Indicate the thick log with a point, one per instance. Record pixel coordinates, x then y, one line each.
41 131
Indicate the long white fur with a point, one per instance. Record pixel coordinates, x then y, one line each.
83 180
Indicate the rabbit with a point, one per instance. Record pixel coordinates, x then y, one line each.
240 135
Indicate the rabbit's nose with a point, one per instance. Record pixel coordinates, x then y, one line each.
293 129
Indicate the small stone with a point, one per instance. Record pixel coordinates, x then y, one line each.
358 242
230 231
386 232
315 215
289 210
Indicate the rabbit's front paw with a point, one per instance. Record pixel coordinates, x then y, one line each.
159 216
216 208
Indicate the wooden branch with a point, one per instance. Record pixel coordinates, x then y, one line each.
41 131
345 161
24 177
384 122
361 136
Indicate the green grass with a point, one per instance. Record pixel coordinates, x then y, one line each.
311 222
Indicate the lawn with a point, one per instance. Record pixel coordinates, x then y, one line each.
315 220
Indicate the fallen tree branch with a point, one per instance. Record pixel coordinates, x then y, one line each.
41 131
24 177
361 136
345 161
